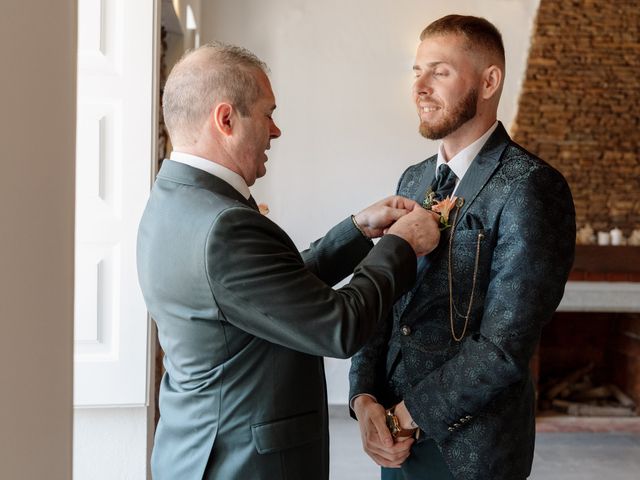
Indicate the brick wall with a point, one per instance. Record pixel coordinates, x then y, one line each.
580 105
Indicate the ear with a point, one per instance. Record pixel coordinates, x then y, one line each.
491 81
222 118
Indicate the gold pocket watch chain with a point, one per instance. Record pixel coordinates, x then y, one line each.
452 306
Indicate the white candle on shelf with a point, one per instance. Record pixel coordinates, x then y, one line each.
604 238
616 236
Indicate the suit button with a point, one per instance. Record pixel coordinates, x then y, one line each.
456 425
450 429
405 330
463 420
468 417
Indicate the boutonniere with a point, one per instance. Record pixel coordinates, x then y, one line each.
263 208
443 207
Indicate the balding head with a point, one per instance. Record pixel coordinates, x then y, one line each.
201 79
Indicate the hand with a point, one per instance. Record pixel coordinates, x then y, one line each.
420 228
404 417
376 438
375 219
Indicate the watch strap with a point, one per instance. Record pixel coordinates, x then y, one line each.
394 426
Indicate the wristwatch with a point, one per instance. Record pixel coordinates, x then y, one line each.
393 424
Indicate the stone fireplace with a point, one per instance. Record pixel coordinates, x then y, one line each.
596 328
579 111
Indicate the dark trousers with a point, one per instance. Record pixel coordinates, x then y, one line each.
424 463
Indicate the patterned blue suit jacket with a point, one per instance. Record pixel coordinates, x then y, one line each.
475 397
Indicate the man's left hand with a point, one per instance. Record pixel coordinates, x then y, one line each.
375 219
404 417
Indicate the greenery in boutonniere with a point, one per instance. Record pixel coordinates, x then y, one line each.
443 207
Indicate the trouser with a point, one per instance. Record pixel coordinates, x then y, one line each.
424 463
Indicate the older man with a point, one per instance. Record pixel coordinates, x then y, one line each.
454 362
242 317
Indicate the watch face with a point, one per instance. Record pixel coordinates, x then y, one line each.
392 424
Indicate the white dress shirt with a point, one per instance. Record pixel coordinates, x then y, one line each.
215 169
461 162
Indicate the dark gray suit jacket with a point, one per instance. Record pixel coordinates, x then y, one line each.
475 397
244 320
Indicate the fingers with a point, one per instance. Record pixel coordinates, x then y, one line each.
376 438
393 214
380 425
400 202
374 219
392 456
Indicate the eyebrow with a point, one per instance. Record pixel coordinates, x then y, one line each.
429 65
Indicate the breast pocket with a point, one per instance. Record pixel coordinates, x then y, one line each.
470 259
467 243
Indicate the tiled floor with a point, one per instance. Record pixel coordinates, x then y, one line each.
558 456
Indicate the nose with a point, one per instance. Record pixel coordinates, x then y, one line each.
274 131
422 86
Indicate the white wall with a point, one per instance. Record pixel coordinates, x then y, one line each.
110 443
341 72
37 137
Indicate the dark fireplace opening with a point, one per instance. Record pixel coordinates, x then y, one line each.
587 370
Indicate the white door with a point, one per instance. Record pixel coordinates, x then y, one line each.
115 152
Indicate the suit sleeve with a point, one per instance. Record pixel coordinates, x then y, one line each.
334 256
530 265
367 372
262 286
368 369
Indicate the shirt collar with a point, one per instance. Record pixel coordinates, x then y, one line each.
461 162
209 166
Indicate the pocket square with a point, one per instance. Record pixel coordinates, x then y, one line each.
471 222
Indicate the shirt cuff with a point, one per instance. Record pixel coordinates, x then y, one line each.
353 399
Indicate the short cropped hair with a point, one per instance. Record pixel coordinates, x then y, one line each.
204 76
478 32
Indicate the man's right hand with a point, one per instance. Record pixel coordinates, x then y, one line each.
420 228
376 438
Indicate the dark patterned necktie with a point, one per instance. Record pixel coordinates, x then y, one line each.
445 182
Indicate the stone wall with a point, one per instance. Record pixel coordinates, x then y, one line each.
580 105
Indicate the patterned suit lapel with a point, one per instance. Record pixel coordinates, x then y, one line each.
428 177
482 168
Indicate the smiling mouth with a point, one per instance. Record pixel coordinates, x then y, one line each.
429 109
